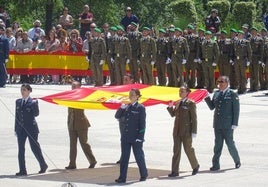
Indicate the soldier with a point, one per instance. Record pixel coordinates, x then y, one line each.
199 66
265 67
134 37
190 67
98 56
121 55
225 52
210 57
242 56
245 29
4 54
168 62
256 43
110 48
233 81
147 56
179 56
161 57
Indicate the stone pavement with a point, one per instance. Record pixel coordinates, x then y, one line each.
250 137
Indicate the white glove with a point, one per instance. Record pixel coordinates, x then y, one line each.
6 60
127 61
214 64
183 61
138 140
139 62
101 62
168 61
263 65
193 135
199 61
171 103
87 58
152 62
248 63
196 60
112 60
260 62
234 127
123 106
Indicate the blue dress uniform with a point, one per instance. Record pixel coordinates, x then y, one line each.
26 126
226 114
134 130
4 53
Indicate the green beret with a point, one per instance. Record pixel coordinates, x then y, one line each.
113 28
190 27
133 23
201 29
208 32
254 28
264 29
178 29
97 30
162 30
119 27
233 30
172 30
240 32
146 29
223 32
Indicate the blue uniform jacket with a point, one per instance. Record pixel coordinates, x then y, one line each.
135 122
25 116
226 107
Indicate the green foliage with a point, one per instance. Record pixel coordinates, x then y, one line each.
184 11
244 12
223 6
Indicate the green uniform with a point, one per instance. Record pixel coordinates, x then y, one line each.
147 55
180 52
122 53
233 81
224 64
161 57
264 86
111 65
200 77
210 55
98 53
242 55
134 39
190 66
169 68
257 52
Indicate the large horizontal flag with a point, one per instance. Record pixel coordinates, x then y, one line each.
111 97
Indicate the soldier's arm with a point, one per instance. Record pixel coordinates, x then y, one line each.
153 48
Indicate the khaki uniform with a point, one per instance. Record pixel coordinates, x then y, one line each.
98 53
210 55
122 52
78 125
224 60
147 55
179 51
242 55
233 81
199 66
134 39
257 53
190 66
161 57
111 65
264 86
184 125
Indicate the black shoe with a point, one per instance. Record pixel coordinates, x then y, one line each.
237 165
92 165
70 167
21 173
173 174
214 168
120 180
43 170
195 170
143 178
118 162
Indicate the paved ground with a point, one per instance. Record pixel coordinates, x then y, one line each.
251 140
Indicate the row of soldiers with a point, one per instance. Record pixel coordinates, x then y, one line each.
181 57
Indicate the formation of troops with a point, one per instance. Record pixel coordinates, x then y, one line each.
188 56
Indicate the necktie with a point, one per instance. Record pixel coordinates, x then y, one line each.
23 103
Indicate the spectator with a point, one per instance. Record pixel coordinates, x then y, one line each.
85 19
213 21
4 16
265 21
128 18
66 20
15 27
64 43
4 55
36 32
